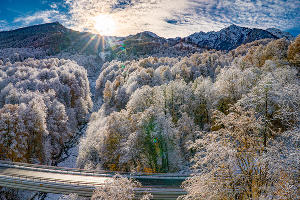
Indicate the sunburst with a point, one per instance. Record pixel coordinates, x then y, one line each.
105 24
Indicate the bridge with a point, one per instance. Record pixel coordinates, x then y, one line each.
60 180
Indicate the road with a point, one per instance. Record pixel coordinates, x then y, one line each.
83 182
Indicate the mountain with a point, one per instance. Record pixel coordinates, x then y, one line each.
148 44
54 38
228 38
280 34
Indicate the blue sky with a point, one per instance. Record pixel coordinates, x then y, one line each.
168 18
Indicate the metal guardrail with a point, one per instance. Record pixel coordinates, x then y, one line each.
102 173
53 187
87 191
37 166
157 193
54 180
83 188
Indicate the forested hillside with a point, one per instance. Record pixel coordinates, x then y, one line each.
42 102
230 117
222 106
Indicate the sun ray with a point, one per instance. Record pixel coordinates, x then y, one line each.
88 43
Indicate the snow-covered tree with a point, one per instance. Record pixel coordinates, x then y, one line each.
294 52
226 159
275 98
13 135
233 82
233 163
54 98
119 188
223 110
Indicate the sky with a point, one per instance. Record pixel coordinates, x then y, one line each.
167 18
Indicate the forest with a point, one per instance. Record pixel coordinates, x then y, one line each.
229 118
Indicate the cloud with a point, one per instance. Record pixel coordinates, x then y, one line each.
172 18
168 18
3 25
171 21
253 13
54 6
206 15
131 16
45 16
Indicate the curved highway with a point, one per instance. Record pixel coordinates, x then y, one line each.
83 182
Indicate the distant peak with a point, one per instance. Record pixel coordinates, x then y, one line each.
270 29
46 24
228 38
53 23
233 26
280 34
150 34
56 23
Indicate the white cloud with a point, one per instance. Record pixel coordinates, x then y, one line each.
45 16
258 13
54 6
185 16
131 16
171 18
3 25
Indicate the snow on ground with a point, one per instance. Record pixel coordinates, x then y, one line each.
51 196
69 161
70 156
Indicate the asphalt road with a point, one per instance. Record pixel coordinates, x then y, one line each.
65 181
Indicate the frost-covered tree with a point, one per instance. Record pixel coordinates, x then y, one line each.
275 50
294 52
13 135
283 160
176 95
91 63
232 82
20 54
54 98
155 106
133 142
158 139
143 98
128 76
226 159
275 98
186 134
232 162
119 188
202 101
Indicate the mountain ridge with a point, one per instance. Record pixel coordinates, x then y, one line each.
54 38
232 36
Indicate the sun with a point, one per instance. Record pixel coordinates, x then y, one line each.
105 24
